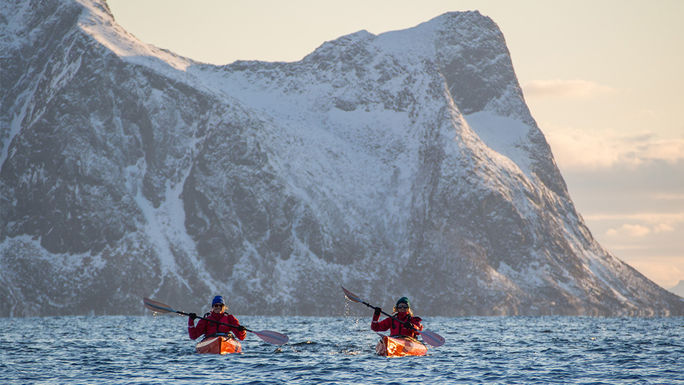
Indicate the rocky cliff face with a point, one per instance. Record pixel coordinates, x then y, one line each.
400 164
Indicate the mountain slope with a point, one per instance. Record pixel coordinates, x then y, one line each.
405 163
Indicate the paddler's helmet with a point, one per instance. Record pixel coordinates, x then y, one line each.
218 299
404 300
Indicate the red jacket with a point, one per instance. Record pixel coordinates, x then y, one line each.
397 328
208 328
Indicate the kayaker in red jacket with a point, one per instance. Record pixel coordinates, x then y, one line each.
406 325
218 313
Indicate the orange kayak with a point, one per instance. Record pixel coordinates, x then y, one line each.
219 345
400 346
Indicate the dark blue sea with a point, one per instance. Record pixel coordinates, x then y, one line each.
479 350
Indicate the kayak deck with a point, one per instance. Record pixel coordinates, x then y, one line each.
400 346
219 344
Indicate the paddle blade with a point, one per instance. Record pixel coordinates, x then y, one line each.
272 337
432 338
351 296
157 307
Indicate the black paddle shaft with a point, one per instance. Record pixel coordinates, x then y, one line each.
407 324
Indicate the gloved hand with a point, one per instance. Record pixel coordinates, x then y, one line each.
192 316
377 312
241 328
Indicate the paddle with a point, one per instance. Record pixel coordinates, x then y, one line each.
268 336
430 337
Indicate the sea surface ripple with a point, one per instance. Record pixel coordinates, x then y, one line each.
340 350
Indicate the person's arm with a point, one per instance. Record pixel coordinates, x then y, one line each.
239 331
416 321
195 331
379 326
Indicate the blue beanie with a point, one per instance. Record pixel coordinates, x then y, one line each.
218 299
404 300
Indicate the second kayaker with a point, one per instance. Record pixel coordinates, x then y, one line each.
218 313
406 325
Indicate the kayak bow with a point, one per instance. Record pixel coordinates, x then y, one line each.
400 346
219 344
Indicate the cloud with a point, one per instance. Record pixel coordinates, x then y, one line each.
575 149
663 228
578 150
668 197
666 271
629 230
649 218
668 150
579 89
640 225
650 223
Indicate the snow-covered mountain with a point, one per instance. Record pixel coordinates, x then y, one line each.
405 163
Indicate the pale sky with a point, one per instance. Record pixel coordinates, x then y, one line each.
603 78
